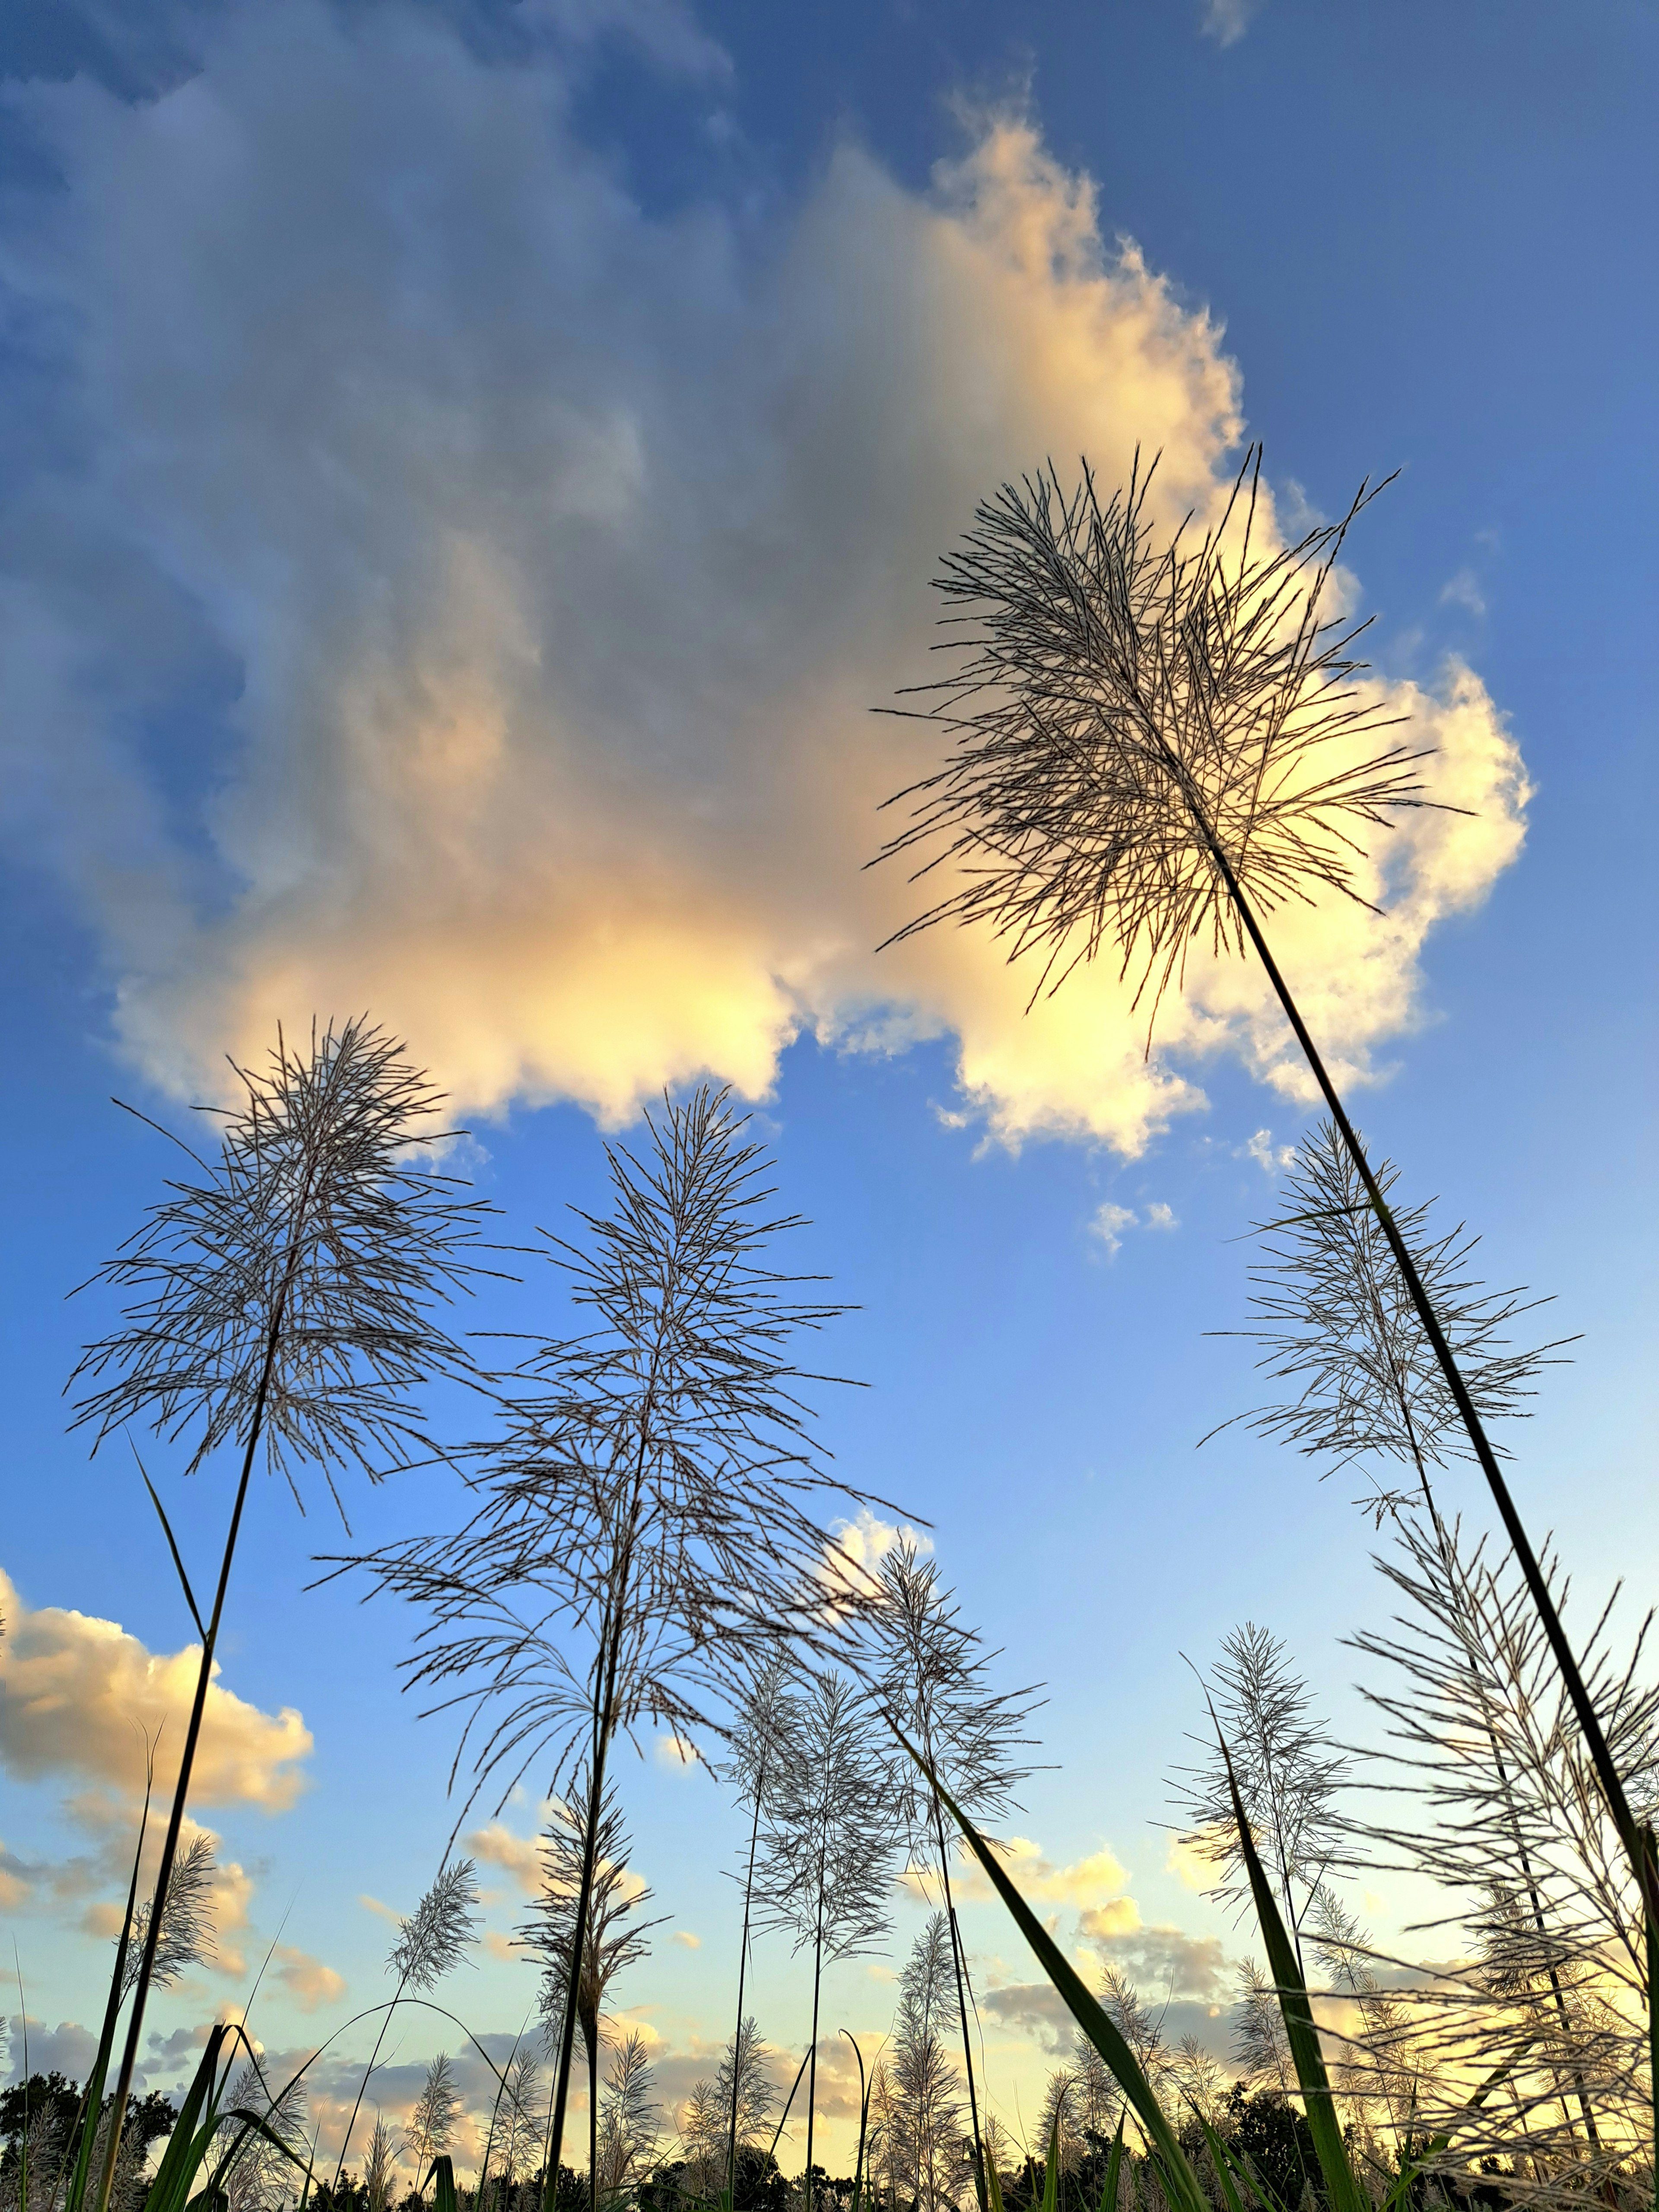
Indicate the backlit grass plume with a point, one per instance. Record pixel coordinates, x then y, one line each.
933 1676
1333 1318
1151 746
829 1833
646 1527
1138 730
613 1939
281 1301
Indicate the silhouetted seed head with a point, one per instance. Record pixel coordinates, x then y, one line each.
186 1936
651 1493
1127 714
932 1678
435 1937
313 1224
1333 1316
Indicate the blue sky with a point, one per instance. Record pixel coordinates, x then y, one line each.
467 473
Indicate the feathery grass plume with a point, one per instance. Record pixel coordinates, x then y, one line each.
1288 1779
1332 1317
429 1944
1058 2123
1099 2101
1380 2066
1123 2006
186 1934
1150 747
378 2167
519 2126
1330 1312
928 2114
828 1839
1517 1839
934 1677
744 2089
1261 2052
756 1741
434 1940
259 2177
1195 2076
630 2122
611 1939
648 1507
431 2126
283 1303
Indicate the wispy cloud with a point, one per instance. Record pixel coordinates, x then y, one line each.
1227 21
1464 590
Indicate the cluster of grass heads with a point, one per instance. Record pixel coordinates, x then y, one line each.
1149 745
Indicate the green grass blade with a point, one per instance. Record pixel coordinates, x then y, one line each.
1051 2171
1114 2165
443 2172
1341 2187
187 2145
1182 2185
993 2178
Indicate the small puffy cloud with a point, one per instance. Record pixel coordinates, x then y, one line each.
1085 1883
1160 1216
1192 1860
497 1946
1271 1158
521 1857
536 589
1120 1915
80 1696
1227 21
1033 2008
16 1880
676 1753
1464 590
307 1980
685 1937
1109 1222
518 1855
856 1549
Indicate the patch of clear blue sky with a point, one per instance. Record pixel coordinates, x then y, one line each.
1430 234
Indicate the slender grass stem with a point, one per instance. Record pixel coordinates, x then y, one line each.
192 1736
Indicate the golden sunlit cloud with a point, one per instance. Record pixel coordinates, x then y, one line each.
80 1697
556 640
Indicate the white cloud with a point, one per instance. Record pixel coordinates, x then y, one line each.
545 559
1227 21
686 1939
1271 1158
308 1981
1464 590
1086 1883
79 1697
1107 1223
1160 1216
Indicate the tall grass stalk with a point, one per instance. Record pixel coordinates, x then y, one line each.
934 1681
282 1303
647 1504
829 1836
1142 756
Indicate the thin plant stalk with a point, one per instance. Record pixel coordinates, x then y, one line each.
187 1760
743 1968
959 1966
